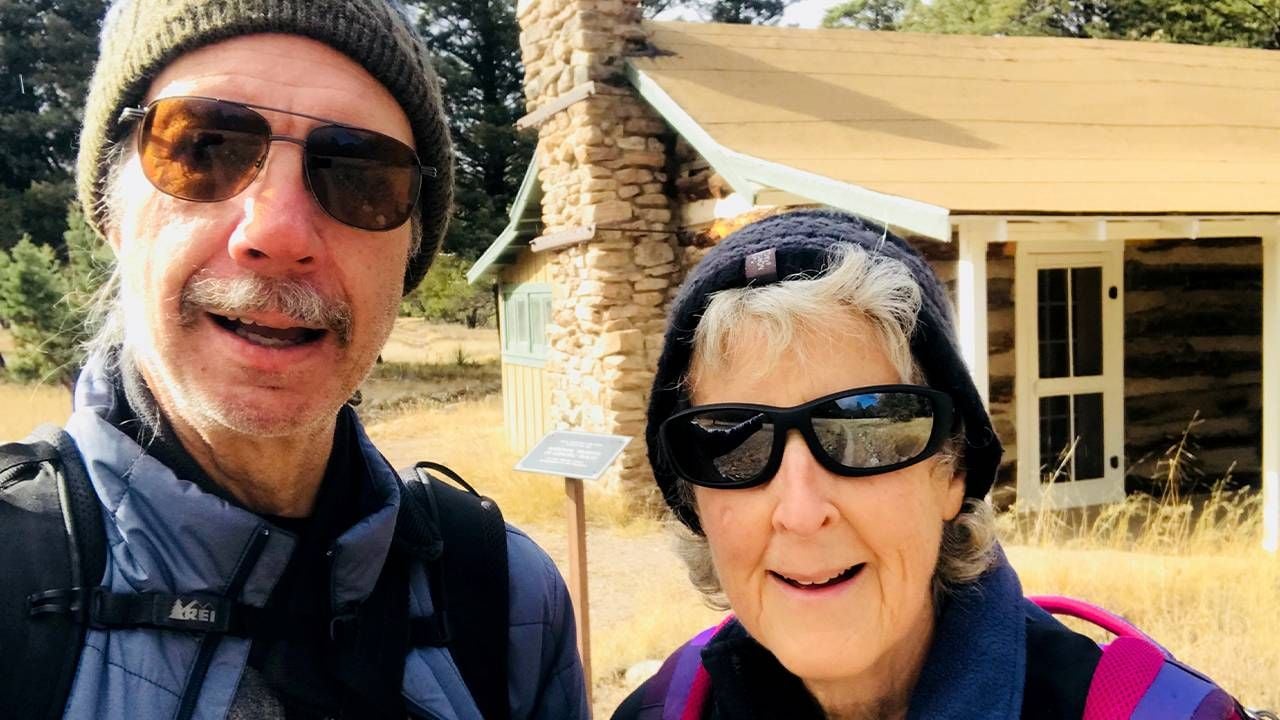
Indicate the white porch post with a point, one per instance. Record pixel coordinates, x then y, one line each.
971 296
1271 389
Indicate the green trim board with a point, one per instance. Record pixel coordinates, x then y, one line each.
749 175
525 223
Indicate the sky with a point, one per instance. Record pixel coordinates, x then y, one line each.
805 13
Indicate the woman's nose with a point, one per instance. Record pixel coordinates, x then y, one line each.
802 488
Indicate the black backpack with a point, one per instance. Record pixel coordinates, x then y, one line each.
53 555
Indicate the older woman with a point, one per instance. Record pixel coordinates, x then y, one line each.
814 428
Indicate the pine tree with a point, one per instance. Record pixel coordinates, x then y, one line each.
47 49
46 302
477 47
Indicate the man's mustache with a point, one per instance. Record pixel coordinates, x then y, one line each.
245 294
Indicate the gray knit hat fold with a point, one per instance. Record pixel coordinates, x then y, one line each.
141 37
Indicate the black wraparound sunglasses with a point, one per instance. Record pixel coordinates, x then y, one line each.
208 150
854 433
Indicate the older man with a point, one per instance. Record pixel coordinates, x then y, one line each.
272 175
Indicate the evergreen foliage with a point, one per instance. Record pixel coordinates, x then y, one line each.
1240 23
46 302
477 49
47 49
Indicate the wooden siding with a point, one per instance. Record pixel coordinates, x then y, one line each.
1193 325
525 397
529 267
524 405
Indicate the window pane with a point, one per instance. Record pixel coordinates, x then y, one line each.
518 324
1055 437
538 323
1053 333
1086 321
1089 449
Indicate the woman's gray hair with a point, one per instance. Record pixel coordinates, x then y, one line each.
878 290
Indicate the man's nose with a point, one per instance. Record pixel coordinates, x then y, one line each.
802 490
278 231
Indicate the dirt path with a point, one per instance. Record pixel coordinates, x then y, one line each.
622 571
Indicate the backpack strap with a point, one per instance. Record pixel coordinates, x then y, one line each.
681 687
1137 679
51 536
462 538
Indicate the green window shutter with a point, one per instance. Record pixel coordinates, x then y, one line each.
526 311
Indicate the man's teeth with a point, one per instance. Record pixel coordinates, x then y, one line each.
263 340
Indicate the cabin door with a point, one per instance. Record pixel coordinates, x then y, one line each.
1070 374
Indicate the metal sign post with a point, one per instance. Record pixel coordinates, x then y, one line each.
576 456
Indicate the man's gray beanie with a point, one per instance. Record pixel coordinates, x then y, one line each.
141 37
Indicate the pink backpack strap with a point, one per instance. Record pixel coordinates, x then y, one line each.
1137 679
1105 619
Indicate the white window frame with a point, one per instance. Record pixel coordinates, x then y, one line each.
1030 387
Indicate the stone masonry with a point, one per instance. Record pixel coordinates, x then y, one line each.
603 165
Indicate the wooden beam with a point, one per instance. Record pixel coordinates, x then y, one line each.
562 238
1271 389
544 113
971 297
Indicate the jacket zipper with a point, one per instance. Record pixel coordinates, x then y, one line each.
210 641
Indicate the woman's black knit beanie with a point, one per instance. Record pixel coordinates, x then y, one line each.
801 242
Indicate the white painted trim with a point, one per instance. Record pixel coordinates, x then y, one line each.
1271 389
918 217
1029 388
971 298
1085 229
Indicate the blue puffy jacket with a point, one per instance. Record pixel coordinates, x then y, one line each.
166 535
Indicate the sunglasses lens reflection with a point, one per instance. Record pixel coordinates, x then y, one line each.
364 179
874 430
201 150
724 447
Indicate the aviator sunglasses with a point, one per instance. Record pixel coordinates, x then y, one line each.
208 150
854 433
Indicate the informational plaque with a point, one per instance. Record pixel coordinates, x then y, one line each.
573 454
576 456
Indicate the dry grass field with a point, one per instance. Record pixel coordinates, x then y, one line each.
416 341
22 407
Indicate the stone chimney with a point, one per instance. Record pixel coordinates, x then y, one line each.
606 215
